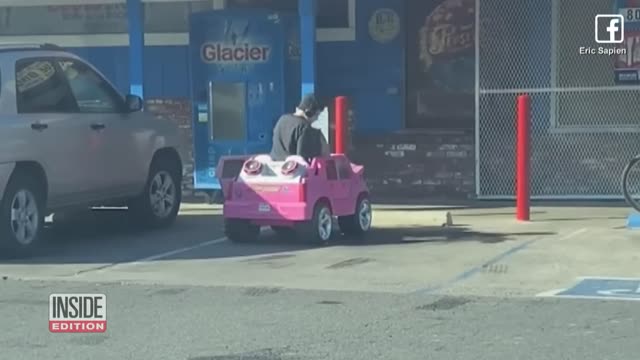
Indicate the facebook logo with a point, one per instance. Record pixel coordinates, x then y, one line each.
609 29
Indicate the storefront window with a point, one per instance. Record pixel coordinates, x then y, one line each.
331 13
171 17
441 64
160 17
63 19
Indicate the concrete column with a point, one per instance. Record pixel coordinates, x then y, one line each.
307 13
135 17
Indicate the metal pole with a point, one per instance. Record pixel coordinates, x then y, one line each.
135 18
523 158
341 124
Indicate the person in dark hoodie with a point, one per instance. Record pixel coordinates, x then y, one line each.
294 135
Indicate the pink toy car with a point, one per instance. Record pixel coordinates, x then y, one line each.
294 197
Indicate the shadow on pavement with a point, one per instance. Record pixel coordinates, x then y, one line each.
115 236
436 205
443 235
111 237
541 211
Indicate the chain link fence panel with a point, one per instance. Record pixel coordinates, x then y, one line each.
584 128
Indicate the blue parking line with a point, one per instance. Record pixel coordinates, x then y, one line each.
476 269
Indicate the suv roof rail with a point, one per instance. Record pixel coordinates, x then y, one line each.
49 46
8 46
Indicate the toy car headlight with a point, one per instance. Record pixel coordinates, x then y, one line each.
252 167
289 167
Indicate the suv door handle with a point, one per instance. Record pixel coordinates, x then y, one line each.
97 126
39 126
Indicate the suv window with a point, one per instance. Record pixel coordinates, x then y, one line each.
92 93
41 89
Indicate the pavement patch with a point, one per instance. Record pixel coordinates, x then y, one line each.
349 263
261 291
268 258
168 292
265 354
89 340
329 302
600 288
445 303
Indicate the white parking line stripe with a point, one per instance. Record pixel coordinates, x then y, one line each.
608 278
600 298
183 250
154 257
550 293
178 251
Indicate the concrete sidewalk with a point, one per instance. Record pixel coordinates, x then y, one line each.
573 240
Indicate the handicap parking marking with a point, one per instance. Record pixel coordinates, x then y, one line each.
601 288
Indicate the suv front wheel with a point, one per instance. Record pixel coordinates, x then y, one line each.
21 214
159 203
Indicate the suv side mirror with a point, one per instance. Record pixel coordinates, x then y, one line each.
134 103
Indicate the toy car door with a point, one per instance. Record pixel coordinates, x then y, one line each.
340 186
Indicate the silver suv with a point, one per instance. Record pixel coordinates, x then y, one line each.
68 140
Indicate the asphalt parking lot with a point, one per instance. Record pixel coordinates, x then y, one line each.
399 255
187 293
485 252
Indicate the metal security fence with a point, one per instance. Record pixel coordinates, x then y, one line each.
584 126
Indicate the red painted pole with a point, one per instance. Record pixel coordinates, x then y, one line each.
341 124
523 158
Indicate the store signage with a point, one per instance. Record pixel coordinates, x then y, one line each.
224 53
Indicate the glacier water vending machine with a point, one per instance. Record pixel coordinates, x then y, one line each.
245 73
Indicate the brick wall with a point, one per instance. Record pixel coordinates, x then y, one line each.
179 112
562 164
429 165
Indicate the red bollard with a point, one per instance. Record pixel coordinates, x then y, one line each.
523 158
341 120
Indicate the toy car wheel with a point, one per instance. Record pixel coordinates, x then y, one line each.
319 229
22 214
359 223
241 231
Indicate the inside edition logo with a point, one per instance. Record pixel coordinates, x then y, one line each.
77 313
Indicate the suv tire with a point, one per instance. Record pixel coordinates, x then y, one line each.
159 203
22 213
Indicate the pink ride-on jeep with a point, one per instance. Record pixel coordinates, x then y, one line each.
296 198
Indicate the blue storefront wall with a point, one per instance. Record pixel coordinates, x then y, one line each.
166 72
371 74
